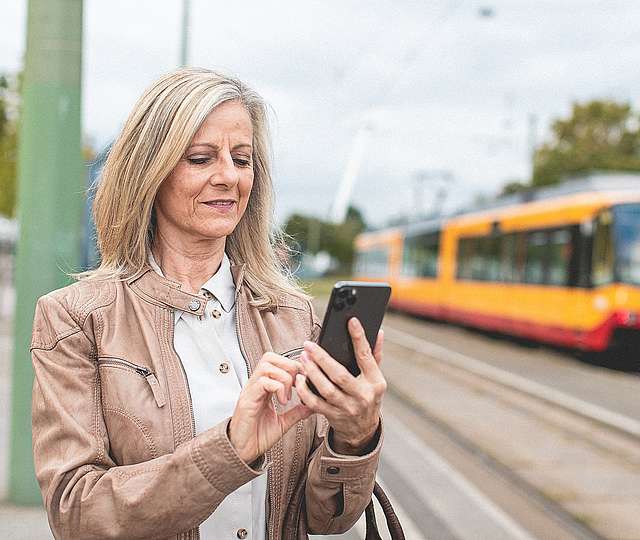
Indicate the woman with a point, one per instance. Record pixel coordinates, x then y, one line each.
162 405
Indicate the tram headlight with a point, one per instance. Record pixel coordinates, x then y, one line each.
628 318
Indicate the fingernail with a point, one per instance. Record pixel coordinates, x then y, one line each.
310 345
304 357
354 323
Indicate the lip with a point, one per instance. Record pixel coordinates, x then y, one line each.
220 205
219 201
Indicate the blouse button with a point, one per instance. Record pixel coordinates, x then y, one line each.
224 368
194 305
242 533
216 313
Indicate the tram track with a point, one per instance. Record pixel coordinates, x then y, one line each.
608 419
423 375
566 521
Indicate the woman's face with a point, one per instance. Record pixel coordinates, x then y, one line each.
207 192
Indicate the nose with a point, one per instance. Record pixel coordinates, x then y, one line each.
226 172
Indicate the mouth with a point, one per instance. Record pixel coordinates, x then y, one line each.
221 204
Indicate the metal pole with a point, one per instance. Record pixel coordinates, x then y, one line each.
184 45
50 198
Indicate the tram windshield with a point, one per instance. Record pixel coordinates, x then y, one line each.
627 242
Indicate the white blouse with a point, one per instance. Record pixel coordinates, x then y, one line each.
216 372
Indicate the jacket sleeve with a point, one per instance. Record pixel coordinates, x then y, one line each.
85 494
338 487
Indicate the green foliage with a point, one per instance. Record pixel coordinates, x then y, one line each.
599 135
8 146
311 235
514 187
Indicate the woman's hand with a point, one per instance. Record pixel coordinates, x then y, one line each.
255 426
351 404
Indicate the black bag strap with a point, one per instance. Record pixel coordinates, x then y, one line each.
292 519
393 523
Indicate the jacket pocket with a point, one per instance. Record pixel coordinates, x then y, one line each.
293 353
143 371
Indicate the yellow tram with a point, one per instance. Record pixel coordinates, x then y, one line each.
562 268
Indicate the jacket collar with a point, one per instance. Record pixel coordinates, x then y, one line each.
160 290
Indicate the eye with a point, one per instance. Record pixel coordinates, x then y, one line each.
242 162
198 160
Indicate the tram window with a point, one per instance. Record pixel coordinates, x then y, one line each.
521 257
420 257
465 253
508 271
534 271
602 258
477 260
627 242
492 258
559 257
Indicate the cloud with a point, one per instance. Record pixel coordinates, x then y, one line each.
446 89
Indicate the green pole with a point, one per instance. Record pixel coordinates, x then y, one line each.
50 199
184 36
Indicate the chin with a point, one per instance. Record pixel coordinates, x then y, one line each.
218 231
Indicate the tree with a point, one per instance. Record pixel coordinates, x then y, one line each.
8 145
515 186
9 120
599 135
310 234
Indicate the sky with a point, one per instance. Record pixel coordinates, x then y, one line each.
447 93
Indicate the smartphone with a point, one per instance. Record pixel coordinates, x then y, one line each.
367 301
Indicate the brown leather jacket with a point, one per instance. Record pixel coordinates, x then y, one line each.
113 425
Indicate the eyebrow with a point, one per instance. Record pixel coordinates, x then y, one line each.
216 147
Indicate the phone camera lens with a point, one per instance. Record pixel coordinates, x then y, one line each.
351 299
343 293
338 304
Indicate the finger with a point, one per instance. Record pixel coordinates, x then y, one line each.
293 416
332 369
329 391
271 386
313 402
364 357
280 375
289 365
377 350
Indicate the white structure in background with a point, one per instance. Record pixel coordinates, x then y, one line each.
343 195
317 265
8 238
8 231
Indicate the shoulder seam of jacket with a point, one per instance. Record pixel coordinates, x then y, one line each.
51 344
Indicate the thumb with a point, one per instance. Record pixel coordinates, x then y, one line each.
293 416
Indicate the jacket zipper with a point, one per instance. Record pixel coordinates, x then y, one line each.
270 481
291 353
149 376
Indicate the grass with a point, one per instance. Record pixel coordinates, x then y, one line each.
321 287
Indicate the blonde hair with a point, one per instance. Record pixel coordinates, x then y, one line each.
154 138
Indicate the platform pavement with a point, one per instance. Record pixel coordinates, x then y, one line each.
16 522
